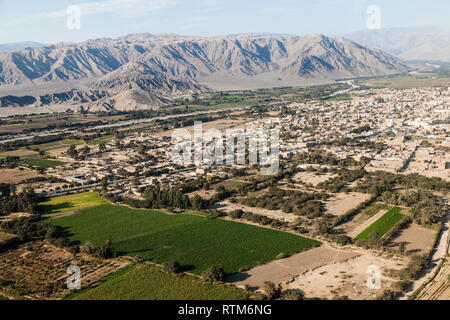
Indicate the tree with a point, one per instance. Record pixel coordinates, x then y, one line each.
87 248
292 294
213 274
102 147
171 267
72 152
86 150
105 184
272 291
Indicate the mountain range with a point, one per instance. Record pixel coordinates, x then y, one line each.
17 46
410 44
146 71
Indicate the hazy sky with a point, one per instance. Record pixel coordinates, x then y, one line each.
46 20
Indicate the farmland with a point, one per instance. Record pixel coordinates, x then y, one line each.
382 225
194 241
70 203
149 283
42 163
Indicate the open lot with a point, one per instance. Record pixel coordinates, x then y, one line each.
194 241
313 178
417 239
150 283
346 278
340 203
16 175
71 203
285 271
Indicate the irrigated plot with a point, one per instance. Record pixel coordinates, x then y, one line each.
193 241
150 283
382 225
71 203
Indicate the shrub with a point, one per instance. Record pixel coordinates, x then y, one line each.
213 274
171 267
272 291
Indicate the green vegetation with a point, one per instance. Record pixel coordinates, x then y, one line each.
42 163
374 209
382 225
150 283
195 242
70 203
342 97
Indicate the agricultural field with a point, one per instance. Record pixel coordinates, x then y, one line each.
16 175
39 270
70 203
193 241
374 209
382 225
42 163
150 283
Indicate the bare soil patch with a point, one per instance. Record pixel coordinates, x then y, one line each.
313 178
343 202
39 271
417 239
347 278
16 175
227 206
287 270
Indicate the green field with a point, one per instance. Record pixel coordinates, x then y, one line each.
70 203
149 283
382 225
42 163
193 241
374 209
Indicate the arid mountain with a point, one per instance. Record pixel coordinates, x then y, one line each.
17 46
154 68
425 44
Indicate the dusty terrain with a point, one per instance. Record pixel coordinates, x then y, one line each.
45 272
343 202
16 175
417 239
313 178
346 278
227 206
439 288
286 270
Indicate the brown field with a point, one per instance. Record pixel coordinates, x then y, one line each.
18 153
227 206
39 271
347 278
312 178
439 288
418 240
218 124
6 238
343 202
16 175
286 271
